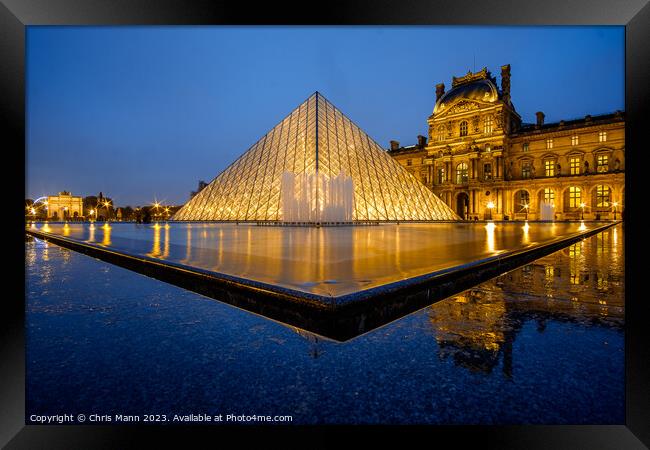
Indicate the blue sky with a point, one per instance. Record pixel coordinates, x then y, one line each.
145 112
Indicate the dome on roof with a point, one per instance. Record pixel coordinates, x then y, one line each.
480 90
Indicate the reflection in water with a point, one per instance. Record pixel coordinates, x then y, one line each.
155 250
327 261
490 241
91 233
477 328
66 229
166 248
526 236
107 234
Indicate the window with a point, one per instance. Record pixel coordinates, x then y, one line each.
549 168
602 196
487 125
602 163
526 146
441 175
549 143
525 169
574 140
524 198
602 136
487 171
574 197
463 128
409 162
549 195
461 173
574 165
441 133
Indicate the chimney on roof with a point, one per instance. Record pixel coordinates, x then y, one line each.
394 145
505 83
540 118
422 141
440 90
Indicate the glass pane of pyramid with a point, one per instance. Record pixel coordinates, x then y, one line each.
315 165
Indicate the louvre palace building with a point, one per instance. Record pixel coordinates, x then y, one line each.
485 163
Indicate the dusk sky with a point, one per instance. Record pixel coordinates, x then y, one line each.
145 112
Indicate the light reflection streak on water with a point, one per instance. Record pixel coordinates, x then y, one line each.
490 238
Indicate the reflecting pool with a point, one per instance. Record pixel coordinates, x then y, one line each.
540 344
330 261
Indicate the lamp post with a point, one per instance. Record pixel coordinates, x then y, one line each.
526 209
490 205
615 205
582 212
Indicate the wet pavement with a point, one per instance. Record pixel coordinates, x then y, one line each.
328 261
541 344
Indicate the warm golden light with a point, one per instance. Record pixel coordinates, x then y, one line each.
582 226
490 205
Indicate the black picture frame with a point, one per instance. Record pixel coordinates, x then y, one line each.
16 15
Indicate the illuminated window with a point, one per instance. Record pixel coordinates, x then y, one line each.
441 133
525 169
461 173
409 162
487 126
574 165
602 196
487 171
526 146
549 143
602 136
602 163
441 175
574 197
574 140
549 167
549 195
463 128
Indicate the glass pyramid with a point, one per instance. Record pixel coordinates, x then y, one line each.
316 139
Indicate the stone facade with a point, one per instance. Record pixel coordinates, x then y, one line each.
484 163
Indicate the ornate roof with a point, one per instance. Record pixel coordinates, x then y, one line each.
482 90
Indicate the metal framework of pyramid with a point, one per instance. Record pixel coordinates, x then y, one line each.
316 138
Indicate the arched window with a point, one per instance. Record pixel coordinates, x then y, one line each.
461 173
575 197
441 133
463 128
603 195
549 195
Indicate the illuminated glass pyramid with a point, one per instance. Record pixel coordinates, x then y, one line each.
315 166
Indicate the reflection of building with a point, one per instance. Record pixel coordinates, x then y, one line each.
477 328
318 144
480 153
64 206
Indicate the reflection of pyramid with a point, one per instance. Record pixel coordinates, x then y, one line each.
330 147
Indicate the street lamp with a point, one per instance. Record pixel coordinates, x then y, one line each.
582 213
490 205
615 205
526 209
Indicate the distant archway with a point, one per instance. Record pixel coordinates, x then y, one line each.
462 205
